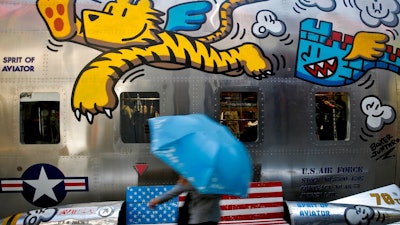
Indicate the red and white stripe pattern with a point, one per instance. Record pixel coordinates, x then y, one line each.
263 206
71 184
275 221
76 184
11 185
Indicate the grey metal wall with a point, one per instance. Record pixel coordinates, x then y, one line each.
287 148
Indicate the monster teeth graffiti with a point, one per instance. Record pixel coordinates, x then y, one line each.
322 69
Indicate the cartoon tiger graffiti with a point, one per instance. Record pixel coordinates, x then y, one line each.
142 41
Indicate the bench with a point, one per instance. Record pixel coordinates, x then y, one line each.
263 206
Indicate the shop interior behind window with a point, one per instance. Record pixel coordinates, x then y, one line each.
331 113
136 109
239 112
39 118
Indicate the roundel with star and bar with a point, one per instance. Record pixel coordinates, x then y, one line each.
44 185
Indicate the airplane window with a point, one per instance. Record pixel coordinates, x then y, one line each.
39 118
331 114
136 108
239 112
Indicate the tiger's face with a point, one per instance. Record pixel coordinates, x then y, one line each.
140 23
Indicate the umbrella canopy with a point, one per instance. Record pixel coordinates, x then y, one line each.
203 151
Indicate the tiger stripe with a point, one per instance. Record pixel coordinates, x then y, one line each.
11 220
226 20
94 92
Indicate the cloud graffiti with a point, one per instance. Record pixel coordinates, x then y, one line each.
324 5
268 23
377 114
376 12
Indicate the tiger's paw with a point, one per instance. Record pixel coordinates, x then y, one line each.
89 108
93 95
89 115
59 16
255 64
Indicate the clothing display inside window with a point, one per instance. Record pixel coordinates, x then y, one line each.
239 112
136 108
331 115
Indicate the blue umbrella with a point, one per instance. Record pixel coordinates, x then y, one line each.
205 152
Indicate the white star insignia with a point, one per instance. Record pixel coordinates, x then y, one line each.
44 186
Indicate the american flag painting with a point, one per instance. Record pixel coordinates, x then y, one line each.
264 201
138 211
263 206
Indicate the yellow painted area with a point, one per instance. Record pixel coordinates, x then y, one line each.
368 45
12 220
